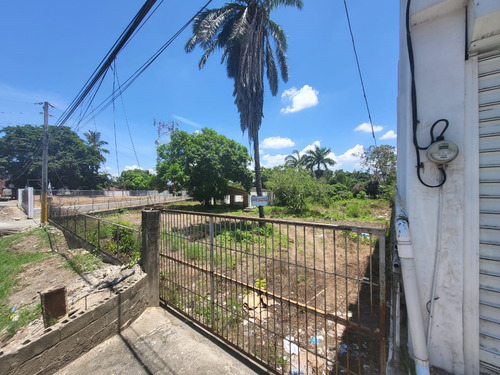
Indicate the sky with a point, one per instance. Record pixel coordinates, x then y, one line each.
51 48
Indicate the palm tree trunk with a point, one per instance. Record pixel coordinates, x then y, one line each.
258 179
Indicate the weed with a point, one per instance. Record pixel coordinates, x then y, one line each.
23 317
11 264
260 284
84 262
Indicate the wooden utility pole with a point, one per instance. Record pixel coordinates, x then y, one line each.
45 164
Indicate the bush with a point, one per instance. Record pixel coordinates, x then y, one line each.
291 187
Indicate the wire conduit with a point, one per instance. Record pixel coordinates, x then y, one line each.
415 319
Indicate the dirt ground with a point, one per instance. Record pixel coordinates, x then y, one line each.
48 273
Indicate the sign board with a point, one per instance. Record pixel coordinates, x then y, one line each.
259 200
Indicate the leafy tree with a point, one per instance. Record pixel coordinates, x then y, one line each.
204 164
380 162
71 163
244 31
292 187
94 140
136 179
295 160
318 158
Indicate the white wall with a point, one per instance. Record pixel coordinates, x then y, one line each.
443 77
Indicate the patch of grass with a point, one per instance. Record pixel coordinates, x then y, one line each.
22 317
11 264
84 262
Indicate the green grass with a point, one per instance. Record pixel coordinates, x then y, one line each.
360 210
85 262
11 264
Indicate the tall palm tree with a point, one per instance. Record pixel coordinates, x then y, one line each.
295 160
244 31
318 158
94 140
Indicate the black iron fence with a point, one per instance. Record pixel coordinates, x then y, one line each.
114 241
299 298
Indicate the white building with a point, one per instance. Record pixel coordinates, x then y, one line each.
456 52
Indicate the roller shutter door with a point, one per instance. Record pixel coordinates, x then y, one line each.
489 187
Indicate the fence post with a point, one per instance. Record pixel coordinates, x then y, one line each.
212 281
149 253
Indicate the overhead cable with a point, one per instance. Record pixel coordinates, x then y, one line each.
359 72
107 102
106 62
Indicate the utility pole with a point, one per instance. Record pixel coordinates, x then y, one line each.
45 164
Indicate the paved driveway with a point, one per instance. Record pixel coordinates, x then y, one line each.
158 343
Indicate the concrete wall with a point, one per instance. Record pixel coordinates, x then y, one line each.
63 342
447 36
446 88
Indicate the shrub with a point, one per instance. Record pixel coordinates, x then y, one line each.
291 187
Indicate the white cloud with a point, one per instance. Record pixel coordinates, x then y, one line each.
187 121
389 135
366 128
350 160
270 161
306 97
131 167
277 142
310 147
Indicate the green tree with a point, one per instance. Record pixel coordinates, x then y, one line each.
94 140
295 160
136 179
292 187
244 31
380 162
204 164
71 163
318 158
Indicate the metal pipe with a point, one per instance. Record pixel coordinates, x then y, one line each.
408 272
415 321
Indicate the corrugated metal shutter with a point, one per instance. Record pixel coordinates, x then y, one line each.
489 182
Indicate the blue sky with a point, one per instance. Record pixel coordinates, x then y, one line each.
50 49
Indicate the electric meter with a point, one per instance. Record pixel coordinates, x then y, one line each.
442 152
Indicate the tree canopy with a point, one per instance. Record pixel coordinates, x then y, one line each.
94 140
204 163
244 31
136 179
318 158
380 162
71 162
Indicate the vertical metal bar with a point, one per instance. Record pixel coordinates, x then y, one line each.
85 226
212 281
304 233
99 234
382 302
117 241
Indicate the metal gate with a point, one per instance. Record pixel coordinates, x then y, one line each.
489 237
299 298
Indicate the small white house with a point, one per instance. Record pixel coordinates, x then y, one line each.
450 49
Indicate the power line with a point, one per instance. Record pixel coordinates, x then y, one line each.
107 60
111 98
126 119
359 72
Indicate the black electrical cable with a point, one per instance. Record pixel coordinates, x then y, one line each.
122 88
359 72
126 119
415 121
106 62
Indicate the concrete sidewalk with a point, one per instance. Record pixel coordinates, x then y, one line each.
13 219
159 343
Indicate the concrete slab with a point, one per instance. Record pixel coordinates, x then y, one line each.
159 343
